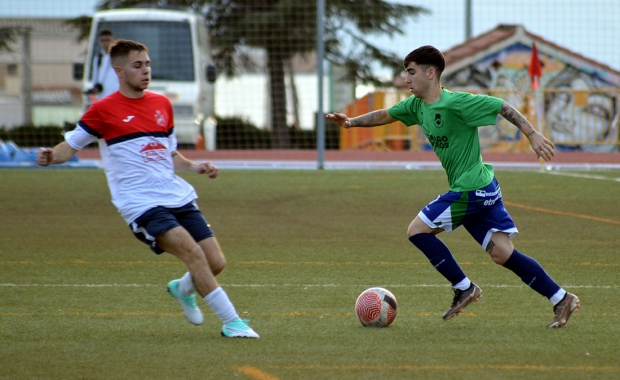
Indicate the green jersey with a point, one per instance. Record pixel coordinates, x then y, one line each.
451 126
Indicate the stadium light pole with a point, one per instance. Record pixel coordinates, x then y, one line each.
320 52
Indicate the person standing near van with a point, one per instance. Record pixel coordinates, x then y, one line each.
135 130
105 81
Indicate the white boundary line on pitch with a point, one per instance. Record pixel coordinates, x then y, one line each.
587 176
348 165
6 285
401 165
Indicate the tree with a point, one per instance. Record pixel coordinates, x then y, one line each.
286 28
7 37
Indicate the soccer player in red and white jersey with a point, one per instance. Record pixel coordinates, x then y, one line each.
135 131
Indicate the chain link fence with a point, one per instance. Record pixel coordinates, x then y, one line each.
265 95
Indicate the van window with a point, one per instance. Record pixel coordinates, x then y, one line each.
169 44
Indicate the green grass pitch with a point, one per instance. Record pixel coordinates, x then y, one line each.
81 298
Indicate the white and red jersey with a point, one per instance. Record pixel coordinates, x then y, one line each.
136 138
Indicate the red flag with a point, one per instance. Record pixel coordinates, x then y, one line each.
534 69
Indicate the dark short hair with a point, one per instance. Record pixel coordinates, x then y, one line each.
105 32
121 48
427 56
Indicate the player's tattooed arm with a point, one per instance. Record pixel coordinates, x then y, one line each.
372 119
540 145
514 116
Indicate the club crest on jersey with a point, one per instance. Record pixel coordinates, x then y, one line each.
438 121
154 151
160 118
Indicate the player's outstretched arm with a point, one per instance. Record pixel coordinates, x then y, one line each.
371 119
181 163
542 147
61 153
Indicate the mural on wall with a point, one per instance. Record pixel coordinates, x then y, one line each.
579 109
578 103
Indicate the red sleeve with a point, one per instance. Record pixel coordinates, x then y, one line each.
91 121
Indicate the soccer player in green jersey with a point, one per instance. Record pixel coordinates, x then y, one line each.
450 121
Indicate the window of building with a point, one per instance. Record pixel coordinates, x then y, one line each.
11 69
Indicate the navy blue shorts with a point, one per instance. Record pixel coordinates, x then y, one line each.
158 220
481 212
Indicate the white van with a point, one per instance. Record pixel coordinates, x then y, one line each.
182 68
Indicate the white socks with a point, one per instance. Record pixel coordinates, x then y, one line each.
186 285
463 285
217 300
220 304
558 296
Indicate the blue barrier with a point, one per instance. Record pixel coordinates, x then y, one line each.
12 156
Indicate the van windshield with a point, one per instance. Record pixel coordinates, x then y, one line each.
169 44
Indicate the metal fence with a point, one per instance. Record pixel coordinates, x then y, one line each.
572 119
260 94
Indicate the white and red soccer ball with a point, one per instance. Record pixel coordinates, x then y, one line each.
376 307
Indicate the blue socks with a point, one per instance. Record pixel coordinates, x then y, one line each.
530 272
528 269
440 257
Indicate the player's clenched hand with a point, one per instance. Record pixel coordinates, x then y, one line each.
340 119
208 169
542 147
44 156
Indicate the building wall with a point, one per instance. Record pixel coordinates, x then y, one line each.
56 95
53 51
577 104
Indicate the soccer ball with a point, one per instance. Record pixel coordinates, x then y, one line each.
376 307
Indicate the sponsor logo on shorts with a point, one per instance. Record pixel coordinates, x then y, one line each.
482 193
491 202
485 194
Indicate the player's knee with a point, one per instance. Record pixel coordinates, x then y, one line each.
499 253
499 248
195 255
421 228
418 226
414 229
218 266
498 259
